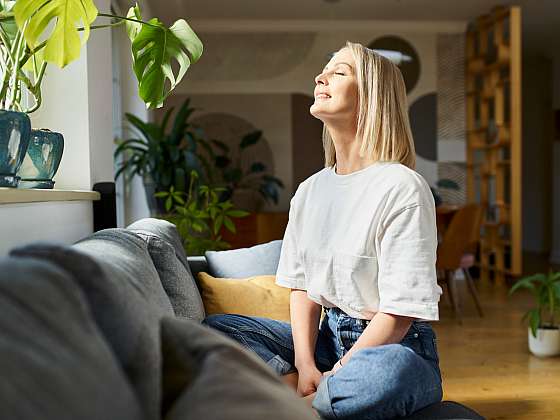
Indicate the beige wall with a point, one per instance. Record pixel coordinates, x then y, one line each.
284 61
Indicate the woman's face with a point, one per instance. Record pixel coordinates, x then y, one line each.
336 89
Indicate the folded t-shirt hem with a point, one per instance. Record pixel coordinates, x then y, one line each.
428 312
290 282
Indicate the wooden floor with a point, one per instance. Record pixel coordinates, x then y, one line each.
486 363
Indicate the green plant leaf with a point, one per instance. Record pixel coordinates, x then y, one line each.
250 139
133 28
153 50
534 321
63 43
218 223
527 282
228 223
168 203
238 213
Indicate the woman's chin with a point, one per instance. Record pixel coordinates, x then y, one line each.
318 111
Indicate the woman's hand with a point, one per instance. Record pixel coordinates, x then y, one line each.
336 367
308 380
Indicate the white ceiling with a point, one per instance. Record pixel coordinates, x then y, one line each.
541 18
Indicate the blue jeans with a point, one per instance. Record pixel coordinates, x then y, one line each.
381 382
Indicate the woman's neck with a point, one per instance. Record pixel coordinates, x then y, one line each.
347 146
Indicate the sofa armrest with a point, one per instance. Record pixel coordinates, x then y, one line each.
198 263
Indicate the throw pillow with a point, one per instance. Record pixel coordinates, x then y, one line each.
253 296
170 260
54 360
238 263
211 377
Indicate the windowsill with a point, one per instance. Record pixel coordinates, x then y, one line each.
15 195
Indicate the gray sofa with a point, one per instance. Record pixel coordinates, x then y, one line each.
109 328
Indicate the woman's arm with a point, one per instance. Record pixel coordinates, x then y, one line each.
304 316
384 328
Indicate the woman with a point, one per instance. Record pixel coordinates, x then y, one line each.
361 245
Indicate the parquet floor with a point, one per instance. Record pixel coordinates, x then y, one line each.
486 363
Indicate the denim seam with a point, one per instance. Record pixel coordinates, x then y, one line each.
266 334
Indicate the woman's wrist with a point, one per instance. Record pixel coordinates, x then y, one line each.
305 362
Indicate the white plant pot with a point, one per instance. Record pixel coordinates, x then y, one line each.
547 342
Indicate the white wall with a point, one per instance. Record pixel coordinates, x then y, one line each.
77 102
131 198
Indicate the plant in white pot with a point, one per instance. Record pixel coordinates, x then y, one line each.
36 33
544 326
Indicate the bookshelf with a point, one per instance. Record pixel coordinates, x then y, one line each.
493 122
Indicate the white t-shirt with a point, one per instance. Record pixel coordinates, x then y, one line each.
364 242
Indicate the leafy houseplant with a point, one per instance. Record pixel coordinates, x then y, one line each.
28 42
254 179
26 47
544 327
163 158
200 217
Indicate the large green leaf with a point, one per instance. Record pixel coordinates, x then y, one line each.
63 44
154 48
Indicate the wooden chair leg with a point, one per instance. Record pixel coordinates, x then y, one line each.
454 295
473 291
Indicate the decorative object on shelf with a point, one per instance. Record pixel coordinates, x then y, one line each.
247 189
163 158
544 318
42 159
200 217
15 129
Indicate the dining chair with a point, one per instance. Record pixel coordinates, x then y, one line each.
457 251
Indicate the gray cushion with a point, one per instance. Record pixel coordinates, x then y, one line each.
170 260
257 260
212 377
54 361
115 271
445 410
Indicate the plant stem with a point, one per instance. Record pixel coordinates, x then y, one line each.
15 69
126 18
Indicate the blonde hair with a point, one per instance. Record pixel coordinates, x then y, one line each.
383 123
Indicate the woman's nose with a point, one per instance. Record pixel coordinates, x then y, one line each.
320 79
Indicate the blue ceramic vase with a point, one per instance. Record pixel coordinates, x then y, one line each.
15 129
42 159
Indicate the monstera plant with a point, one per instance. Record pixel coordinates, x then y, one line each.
34 33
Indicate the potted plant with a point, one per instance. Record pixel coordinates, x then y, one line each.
199 215
248 189
443 184
163 157
544 328
161 55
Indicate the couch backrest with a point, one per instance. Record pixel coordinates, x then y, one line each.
115 271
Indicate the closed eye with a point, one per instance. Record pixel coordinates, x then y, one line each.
342 74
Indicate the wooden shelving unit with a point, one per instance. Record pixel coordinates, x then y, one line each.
493 94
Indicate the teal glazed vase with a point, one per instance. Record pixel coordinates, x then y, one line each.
42 159
15 130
